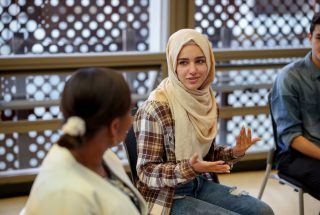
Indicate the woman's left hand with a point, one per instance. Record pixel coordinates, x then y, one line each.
244 142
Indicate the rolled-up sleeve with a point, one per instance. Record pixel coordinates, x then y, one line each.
285 108
221 152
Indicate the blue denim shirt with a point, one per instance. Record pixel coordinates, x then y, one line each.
295 102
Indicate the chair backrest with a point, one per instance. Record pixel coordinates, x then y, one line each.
130 145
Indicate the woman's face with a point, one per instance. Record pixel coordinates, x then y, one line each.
192 68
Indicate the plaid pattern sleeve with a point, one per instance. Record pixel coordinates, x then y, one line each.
220 152
156 166
158 171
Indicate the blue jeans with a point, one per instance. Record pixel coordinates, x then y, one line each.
206 197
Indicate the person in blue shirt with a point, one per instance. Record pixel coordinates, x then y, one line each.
295 104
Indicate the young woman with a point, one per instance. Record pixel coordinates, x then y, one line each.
80 174
176 128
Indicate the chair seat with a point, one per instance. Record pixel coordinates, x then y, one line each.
292 181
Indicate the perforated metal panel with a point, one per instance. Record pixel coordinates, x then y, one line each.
9 150
27 150
255 23
43 26
245 88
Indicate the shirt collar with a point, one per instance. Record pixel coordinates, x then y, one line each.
312 68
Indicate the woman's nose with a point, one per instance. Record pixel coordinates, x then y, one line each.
192 68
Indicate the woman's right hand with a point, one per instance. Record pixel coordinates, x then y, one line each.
208 166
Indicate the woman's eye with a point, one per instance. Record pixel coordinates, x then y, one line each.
183 62
201 61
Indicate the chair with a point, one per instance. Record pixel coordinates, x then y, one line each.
280 177
130 145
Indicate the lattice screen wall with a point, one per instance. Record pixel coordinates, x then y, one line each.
255 23
27 150
73 26
253 87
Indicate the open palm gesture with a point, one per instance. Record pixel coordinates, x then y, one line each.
244 141
208 166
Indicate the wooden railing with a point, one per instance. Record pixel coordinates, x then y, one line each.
130 61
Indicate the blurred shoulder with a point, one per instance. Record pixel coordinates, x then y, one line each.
154 109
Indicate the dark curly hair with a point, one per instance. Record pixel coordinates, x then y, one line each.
315 21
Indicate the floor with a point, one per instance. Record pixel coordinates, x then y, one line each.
282 199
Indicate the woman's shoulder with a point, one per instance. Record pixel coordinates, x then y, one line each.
154 109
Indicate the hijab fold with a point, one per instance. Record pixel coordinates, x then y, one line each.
194 111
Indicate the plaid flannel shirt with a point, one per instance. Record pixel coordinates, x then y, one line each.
158 171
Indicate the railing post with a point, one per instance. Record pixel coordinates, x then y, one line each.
226 37
23 139
128 44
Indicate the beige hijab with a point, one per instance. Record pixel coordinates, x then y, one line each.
194 111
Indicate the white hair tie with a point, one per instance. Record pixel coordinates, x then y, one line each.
75 126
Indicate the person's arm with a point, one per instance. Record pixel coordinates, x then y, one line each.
286 109
201 166
244 142
219 152
233 155
222 152
152 170
306 147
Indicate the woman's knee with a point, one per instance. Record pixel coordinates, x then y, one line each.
262 209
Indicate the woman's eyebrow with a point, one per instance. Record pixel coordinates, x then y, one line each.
186 58
200 58
183 58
